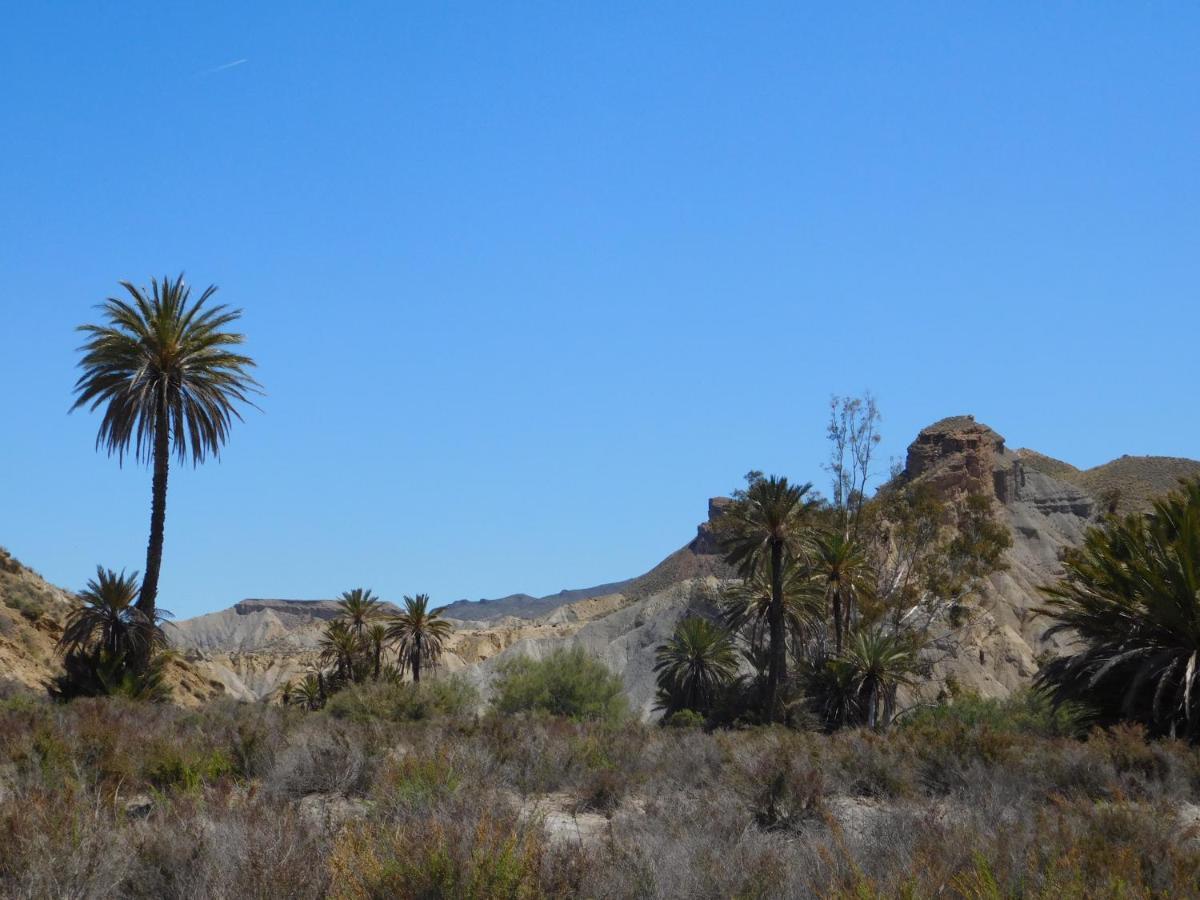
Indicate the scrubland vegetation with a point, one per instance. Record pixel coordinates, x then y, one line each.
792 757
400 790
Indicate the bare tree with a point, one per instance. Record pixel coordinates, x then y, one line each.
854 434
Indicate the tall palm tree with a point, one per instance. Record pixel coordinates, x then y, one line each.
357 608
765 528
1131 600
166 373
841 568
698 660
420 635
341 647
108 622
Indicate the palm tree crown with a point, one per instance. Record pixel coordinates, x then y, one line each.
108 621
746 605
420 634
163 367
694 665
841 568
167 374
357 608
340 646
1131 598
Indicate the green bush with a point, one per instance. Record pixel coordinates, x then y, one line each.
1023 712
405 702
684 718
567 683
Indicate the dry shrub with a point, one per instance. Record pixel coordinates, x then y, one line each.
486 856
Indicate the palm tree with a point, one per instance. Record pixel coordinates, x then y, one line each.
1131 600
746 605
841 568
309 692
764 529
420 635
357 608
377 638
871 669
694 665
108 621
341 647
168 378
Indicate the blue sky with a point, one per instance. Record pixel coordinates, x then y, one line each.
527 283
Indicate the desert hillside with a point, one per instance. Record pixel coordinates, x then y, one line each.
257 645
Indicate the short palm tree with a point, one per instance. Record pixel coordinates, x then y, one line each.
341 647
694 665
1130 599
166 373
109 622
841 568
860 685
420 635
357 608
762 530
309 692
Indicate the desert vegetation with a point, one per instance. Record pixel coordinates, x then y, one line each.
403 790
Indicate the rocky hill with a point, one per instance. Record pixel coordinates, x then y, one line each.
1128 484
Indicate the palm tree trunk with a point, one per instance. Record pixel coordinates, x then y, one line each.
777 667
416 660
837 619
158 515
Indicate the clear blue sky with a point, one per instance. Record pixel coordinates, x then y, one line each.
527 283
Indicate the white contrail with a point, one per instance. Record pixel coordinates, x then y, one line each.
228 65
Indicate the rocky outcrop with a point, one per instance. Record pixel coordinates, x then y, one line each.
1045 515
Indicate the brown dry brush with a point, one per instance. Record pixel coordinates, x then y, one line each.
103 798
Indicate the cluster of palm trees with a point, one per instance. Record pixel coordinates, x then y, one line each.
797 618
357 644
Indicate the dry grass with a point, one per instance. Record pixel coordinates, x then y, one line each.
251 801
